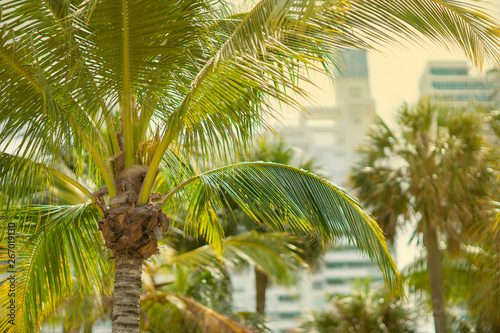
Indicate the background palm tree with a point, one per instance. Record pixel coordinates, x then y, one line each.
471 282
129 91
437 170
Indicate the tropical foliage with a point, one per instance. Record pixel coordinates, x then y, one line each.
437 170
127 92
276 150
365 311
470 282
190 291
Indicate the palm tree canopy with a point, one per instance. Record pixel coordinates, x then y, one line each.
435 167
365 311
116 87
438 171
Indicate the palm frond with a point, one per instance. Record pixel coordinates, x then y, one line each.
175 168
53 245
80 310
23 182
272 253
446 22
285 199
44 78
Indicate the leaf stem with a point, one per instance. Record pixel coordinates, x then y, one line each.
128 131
108 180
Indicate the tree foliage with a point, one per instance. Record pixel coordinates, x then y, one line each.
365 311
126 92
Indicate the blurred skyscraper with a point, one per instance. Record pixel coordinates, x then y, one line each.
331 133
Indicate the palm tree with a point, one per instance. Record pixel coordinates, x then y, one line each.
471 281
435 170
190 291
128 90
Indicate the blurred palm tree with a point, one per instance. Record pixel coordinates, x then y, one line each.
470 281
117 85
365 311
436 170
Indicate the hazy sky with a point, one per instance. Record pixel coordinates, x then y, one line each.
395 71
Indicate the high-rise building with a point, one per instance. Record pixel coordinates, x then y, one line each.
494 76
330 134
451 83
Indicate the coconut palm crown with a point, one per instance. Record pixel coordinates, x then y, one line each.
127 91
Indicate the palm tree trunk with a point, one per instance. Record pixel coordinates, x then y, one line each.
87 328
260 290
127 293
435 278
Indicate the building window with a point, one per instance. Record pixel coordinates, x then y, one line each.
463 97
357 264
449 71
337 281
288 298
318 285
333 265
456 85
288 315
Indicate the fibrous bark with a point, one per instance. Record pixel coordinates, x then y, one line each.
127 292
129 228
435 278
131 232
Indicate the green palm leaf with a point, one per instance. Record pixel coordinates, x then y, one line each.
447 22
284 198
53 246
50 78
272 253
23 181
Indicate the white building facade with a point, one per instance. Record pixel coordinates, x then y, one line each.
451 83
